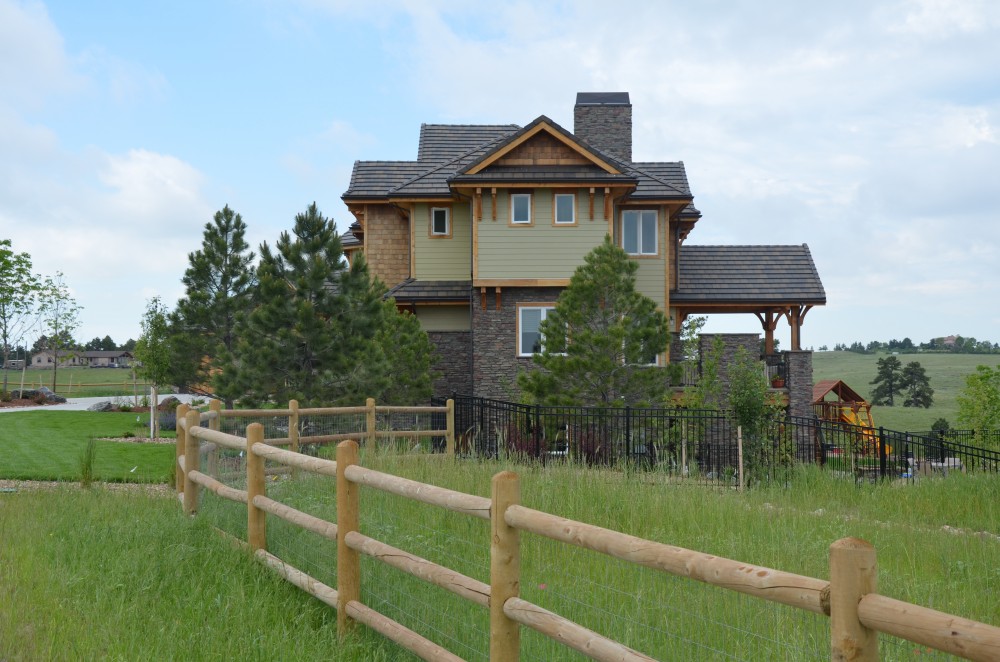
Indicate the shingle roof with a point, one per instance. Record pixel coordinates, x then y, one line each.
659 179
415 291
374 179
447 151
445 142
747 274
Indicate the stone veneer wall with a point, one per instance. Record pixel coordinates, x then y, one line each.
800 382
452 362
495 363
387 244
608 127
730 343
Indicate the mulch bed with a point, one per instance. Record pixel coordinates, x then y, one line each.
22 402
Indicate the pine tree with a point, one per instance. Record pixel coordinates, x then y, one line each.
888 382
218 283
601 338
310 333
917 386
406 354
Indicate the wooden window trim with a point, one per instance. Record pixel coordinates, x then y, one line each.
430 225
531 211
656 226
555 210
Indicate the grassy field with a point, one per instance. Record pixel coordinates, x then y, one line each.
788 527
81 382
91 575
947 374
87 572
47 445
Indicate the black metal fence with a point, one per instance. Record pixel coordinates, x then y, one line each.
703 445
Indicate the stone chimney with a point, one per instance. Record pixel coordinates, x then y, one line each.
604 121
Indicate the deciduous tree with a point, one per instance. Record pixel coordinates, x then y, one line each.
61 317
979 401
601 338
18 301
152 352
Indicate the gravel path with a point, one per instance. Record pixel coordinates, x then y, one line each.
14 486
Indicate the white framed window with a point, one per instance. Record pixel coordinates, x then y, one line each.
565 209
639 232
440 222
520 208
529 328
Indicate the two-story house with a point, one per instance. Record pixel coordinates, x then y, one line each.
478 236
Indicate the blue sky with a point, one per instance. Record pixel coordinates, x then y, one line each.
869 130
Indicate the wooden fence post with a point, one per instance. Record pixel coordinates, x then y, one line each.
182 410
505 568
215 405
214 424
293 430
192 462
256 484
449 439
293 425
348 519
853 574
370 423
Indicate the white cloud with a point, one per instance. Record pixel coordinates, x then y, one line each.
945 18
33 65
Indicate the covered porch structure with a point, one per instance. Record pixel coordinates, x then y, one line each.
771 282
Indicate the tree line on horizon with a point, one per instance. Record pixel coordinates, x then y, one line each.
946 344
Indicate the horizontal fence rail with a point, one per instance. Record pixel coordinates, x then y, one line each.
850 598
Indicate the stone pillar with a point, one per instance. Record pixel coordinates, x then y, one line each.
800 382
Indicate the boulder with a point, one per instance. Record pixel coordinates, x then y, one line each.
104 405
169 403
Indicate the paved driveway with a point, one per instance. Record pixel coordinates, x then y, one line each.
81 404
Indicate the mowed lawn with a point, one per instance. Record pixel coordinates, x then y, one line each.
947 373
82 382
48 445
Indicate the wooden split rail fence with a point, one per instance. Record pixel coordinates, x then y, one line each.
857 612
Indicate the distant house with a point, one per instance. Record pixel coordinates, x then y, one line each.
89 358
108 359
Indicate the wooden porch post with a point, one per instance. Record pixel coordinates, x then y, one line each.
768 322
795 321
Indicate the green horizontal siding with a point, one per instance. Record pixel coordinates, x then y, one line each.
650 279
443 259
444 318
541 250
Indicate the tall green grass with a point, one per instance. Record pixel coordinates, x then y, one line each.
93 575
935 541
